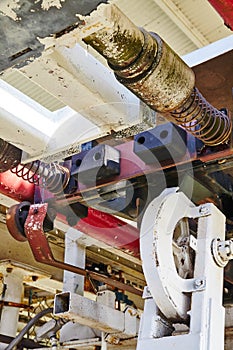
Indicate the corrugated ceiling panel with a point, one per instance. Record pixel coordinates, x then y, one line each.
174 37
140 12
150 16
199 13
203 16
32 90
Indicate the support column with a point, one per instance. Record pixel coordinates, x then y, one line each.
75 254
13 279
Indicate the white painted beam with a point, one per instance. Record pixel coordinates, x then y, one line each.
37 131
84 84
208 52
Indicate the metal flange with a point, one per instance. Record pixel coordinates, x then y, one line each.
168 288
222 251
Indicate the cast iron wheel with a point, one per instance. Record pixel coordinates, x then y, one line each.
15 220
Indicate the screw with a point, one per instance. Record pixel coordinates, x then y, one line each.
203 210
35 211
199 283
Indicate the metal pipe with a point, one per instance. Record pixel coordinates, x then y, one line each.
120 41
30 324
158 76
110 230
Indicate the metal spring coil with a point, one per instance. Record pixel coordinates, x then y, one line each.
202 120
53 177
27 172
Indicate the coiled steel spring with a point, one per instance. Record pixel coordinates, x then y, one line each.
53 177
202 120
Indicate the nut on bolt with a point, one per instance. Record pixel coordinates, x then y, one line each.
204 210
199 283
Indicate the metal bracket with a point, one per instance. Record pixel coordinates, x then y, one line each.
169 291
42 252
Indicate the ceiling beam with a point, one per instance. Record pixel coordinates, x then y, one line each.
178 17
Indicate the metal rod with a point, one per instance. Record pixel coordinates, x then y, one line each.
158 76
42 252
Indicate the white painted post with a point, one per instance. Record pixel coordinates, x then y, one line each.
74 255
13 279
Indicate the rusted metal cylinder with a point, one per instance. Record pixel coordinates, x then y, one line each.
164 82
148 67
119 41
143 62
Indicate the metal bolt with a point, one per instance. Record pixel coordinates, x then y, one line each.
35 211
146 293
203 210
199 283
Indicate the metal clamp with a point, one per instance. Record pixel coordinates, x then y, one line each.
42 252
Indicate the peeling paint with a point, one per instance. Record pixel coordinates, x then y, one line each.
97 20
47 4
89 24
7 9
